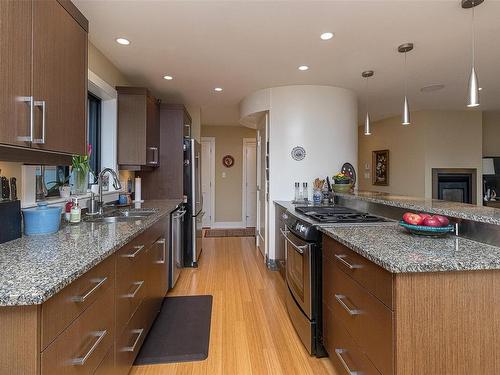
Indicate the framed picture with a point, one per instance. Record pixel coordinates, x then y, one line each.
380 167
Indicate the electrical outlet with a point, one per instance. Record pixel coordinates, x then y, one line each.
223 174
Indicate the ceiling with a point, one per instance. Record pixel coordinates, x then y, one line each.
244 46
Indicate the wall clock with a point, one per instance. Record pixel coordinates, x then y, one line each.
228 161
298 153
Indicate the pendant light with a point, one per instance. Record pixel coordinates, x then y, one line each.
405 118
473 89
367 74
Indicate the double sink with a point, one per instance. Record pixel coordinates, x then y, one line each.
119 215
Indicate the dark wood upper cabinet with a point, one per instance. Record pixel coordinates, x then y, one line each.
138 127
15 72
43 100
59 79
166 181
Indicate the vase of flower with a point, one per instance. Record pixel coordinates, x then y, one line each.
80 170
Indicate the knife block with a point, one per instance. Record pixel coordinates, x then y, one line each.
10 220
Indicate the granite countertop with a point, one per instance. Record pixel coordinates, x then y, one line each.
394 249
34 268
471 212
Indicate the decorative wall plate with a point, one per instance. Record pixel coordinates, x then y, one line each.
298 153
228 161
349 170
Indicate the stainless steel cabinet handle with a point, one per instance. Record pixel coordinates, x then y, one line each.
349 265
341 300
139 286
137 248
299 249
339 353
41 103
81 360
139 333
155 155
29 100
162 242
99 282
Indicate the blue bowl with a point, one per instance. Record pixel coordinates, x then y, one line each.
422 230
42 219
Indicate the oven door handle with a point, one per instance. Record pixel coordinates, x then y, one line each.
299 249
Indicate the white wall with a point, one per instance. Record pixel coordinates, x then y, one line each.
322 119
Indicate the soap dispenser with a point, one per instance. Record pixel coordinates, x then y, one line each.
76 212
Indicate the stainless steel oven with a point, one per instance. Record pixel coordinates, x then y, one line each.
303 279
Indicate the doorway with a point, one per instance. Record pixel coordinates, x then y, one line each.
249 196
208 180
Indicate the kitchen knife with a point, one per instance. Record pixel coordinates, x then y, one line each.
13 189
5 188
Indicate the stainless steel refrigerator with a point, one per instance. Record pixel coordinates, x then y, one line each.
194 204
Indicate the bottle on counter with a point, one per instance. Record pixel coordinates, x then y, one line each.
305 192
76 212
297 192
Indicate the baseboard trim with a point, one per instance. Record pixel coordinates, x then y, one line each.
272 264
228 225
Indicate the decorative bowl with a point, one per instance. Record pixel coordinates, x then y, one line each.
342 188
421 230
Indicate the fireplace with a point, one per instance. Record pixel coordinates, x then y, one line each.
454 184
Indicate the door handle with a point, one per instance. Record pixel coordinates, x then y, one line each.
134 254
299 249
81 299
342 259
139 333
139 285
29 100
163 242
338 353
341 300
41 103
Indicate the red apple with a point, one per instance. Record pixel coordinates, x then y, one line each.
432 221
412 218
443 220
424 216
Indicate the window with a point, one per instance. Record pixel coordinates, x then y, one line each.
94 132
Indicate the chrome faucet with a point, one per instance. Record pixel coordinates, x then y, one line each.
116 184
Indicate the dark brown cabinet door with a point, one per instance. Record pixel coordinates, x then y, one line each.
153 132
15 72
59 79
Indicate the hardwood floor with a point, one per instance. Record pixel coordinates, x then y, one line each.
250 332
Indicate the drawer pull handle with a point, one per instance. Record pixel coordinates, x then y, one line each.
163 244
81 361
139 286
139 333
135 253
340 299
100 282
339 353
342 259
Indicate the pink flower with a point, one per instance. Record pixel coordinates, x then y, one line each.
89 149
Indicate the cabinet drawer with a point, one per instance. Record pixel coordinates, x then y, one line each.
107 366
127 255
374 278
131 289
129 342
60 310
368 321
344 353
82 346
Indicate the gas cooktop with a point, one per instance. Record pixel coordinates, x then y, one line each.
337 214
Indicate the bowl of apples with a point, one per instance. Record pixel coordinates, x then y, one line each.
426 225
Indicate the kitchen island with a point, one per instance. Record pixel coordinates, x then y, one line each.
82 300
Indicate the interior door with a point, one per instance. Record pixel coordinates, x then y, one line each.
206 180
59 79
251 184
15 72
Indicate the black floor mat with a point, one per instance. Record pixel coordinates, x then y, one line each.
180 333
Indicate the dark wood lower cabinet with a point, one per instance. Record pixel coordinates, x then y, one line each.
408 323
98 323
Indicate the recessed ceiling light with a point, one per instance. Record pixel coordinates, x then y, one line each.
218 89
432 88
303 67
168 78
123 41
326 36
480 88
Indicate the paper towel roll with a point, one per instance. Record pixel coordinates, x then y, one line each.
138 190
